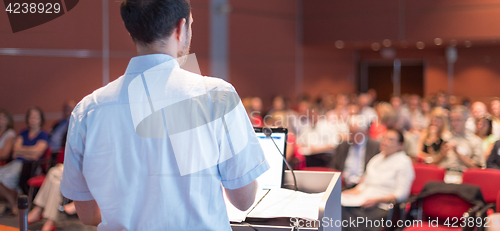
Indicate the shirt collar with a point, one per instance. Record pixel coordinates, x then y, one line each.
142 63
394 154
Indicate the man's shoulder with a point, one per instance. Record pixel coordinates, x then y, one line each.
473 138
404 159
107 94
210 83
218 84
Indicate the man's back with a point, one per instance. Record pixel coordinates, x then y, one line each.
153 147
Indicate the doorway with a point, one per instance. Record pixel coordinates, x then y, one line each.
392 78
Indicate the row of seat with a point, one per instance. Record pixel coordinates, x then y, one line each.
427 203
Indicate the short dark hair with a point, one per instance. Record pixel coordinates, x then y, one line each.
401 137
150 20
42 118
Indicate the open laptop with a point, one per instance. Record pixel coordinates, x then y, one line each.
272 178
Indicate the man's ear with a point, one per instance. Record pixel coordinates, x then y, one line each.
179 29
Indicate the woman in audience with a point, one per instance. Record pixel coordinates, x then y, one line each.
29 146
278 105
7 135
432 138
426 107
484 128
493 160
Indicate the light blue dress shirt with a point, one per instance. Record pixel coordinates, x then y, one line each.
153 148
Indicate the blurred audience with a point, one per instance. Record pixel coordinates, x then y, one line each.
60 129
484 127
253 110
278 105
442 100
365 110
494 157
403 113
426 108
341 111
318 139
353 153
7 136
463 150
388 179
293 153
417 119
432 139
29 146
49 197
478 109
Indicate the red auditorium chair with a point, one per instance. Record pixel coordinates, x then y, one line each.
488 180
37 181
446 204
425 173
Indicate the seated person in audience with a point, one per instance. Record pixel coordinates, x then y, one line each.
402 113
49 197
341 111
364 102
495 112
431 145
493 160
378 128
352 155
464 150
278 105
7 136
29 146
432 138
416 115
388 119
495 107
388 178
479 109
60 128
318 140
426 107
484 127
442 100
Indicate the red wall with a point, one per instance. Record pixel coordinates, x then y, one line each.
262 48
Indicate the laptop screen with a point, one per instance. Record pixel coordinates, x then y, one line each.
273 178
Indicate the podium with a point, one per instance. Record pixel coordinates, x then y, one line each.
308 182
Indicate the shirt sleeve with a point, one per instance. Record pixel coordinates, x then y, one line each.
404 180
73 184
44 136
244 158
494 157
